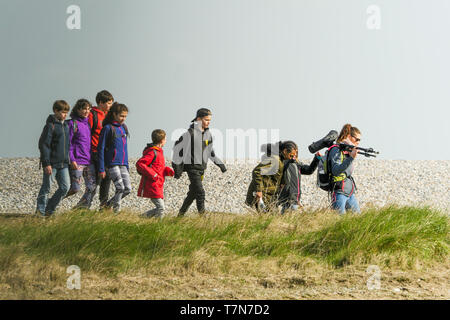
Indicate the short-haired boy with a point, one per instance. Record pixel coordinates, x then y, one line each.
104 101
54 157
152 167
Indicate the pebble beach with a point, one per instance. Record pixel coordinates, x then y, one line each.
380 183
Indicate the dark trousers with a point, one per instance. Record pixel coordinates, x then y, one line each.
196 192
105 184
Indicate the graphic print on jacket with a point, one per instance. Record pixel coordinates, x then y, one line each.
112 147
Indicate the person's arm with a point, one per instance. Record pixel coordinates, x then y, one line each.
309 169
101 148
178 154
335 159
216 160
168 171
142 166
71 146
45 145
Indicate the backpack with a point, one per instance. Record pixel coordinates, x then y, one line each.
94 121
150 165
324 175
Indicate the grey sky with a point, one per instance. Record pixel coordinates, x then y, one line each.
303 67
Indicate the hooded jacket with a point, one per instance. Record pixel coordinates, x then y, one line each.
97 127
54 143
292 177
193 149
152 167
266 178
80 140
112 147
341 168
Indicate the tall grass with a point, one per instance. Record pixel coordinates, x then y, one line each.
115 244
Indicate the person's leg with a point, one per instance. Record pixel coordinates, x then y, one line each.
43 192
158 211
75 180
90 187
338 202
352 204
63 180
190 196
116 178
105 184
126 181
198 191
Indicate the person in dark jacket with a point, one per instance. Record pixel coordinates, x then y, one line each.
290 194
267 176
342 166
191 154
54 157
104 101
80 154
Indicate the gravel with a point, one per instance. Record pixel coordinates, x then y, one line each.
379 182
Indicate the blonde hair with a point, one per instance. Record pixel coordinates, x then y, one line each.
347 129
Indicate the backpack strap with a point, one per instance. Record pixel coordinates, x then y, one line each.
94 121
75 126
154 158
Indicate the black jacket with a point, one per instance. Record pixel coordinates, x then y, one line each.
54 143
192 151
292 176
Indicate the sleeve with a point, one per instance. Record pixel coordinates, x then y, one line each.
335 159
309 169
71 136
168 171
257 174
45 145
178 154
214 158
142 166
101 148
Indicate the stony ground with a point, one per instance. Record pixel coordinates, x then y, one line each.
379 182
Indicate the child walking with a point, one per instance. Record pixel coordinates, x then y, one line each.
152 167
113 153
80 153
54 149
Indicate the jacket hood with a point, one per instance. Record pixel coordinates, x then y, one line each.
80 119
149 146
196 125
51 119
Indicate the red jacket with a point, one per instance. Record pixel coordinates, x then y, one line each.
96 134
152 180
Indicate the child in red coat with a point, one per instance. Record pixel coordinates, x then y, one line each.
152 167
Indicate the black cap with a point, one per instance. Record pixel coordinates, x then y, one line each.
203 112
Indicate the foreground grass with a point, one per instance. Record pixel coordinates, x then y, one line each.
223 244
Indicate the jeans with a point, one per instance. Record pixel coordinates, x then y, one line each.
47 206
288 206
89 175
157 212
121 179
341 203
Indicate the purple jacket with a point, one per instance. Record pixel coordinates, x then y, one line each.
80 140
